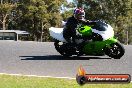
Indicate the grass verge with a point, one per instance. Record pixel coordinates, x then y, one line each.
7 81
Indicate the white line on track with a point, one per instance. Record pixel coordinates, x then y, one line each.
36 76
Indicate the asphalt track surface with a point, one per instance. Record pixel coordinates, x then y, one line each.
41 59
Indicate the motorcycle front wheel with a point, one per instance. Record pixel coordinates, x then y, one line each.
115 50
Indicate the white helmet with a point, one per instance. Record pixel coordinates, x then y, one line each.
79 13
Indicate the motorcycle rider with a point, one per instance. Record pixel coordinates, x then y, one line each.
69 32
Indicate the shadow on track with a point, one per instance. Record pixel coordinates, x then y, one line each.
59 57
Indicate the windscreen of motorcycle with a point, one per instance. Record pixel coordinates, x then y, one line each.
105 30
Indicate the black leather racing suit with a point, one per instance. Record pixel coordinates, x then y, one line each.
69 32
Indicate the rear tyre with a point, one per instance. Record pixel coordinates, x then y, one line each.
63 49
116 50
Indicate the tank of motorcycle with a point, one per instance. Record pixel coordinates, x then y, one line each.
101 28
84 30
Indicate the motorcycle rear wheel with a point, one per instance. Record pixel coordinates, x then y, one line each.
116 50
61 48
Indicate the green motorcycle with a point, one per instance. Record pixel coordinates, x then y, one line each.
95 40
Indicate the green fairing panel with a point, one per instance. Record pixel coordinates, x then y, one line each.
85 30
92 48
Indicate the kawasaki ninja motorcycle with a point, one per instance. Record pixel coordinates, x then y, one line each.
96 40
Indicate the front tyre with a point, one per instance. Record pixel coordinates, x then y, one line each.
115 50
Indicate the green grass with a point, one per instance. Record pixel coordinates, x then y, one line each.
7 81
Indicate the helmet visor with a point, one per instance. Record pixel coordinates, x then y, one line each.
80 15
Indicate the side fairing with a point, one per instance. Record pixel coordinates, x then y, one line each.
97 47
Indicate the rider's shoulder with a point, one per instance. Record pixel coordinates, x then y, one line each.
71 18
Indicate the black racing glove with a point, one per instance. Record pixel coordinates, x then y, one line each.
90 23
83 22
87 22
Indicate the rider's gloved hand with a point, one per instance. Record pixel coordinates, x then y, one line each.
91 22
83 22
87 22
